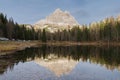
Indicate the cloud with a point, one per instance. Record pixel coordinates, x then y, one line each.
117 10
81 13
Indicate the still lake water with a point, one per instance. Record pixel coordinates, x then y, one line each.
62 63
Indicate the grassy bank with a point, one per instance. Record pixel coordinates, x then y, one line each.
12 46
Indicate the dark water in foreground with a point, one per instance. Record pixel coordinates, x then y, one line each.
62 63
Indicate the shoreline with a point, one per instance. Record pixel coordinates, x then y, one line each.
7 47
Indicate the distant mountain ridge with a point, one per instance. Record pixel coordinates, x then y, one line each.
58 20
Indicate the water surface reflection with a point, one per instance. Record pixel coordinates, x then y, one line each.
62 63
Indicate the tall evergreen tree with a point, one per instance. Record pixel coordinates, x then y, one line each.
44 36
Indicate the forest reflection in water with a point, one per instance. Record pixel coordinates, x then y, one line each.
108 57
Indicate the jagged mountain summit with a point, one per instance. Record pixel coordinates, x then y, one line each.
58 20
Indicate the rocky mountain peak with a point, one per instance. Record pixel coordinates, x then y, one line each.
58 11
57 20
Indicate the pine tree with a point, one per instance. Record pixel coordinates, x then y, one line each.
44 36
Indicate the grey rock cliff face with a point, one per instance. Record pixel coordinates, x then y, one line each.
58 20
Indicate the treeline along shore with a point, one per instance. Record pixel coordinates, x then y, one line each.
105 32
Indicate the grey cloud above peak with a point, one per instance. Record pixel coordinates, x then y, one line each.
81 13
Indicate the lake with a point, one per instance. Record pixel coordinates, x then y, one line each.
62 63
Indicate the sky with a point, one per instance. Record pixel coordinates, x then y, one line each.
84 11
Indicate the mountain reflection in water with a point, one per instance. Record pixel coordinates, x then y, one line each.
62 60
